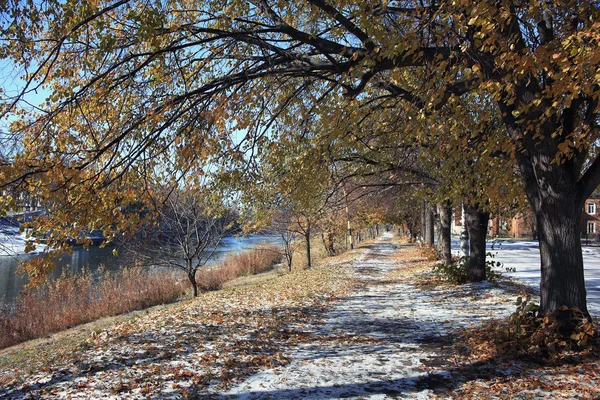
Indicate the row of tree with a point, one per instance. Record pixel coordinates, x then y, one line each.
476 101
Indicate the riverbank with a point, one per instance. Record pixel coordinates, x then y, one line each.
210 322
78 298
373 323
37 354
109 257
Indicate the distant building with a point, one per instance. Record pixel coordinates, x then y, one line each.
523 225
590 218
519 226
457 221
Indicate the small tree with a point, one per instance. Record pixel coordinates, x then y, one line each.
282 226
184 235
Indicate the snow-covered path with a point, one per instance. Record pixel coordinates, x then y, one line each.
396 337
390 332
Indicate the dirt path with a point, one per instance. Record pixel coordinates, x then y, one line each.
396 332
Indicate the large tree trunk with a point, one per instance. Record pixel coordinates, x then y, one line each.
562 276
477 224
557 198
429 231
557 210
445 233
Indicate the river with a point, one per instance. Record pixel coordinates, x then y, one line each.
12 283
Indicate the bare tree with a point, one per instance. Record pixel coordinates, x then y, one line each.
184 236
282 225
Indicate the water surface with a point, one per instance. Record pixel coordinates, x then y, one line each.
91 259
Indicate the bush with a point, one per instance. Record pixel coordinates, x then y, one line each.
457 272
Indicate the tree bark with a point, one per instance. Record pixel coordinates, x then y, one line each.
464 233
556 198
331 241
289 258
429 223
424 222
477 224
192 278
288 251
562 278
558 217
445 214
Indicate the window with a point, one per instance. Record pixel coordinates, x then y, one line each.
591 208
591 227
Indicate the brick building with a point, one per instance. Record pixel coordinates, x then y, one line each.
522 225
519 226
590 218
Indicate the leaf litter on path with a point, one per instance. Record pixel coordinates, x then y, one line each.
379 326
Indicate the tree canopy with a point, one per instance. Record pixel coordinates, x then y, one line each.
140 85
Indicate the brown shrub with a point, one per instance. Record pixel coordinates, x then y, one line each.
250 262
76 299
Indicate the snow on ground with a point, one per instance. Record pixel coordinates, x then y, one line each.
524 256
388 336
13 242
398 333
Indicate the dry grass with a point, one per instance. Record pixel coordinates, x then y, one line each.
38 353
247 263
80 298
77 299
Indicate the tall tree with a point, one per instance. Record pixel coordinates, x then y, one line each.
445 216
128 76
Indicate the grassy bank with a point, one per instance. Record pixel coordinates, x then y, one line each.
64 347
80 298
75 299
246 263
